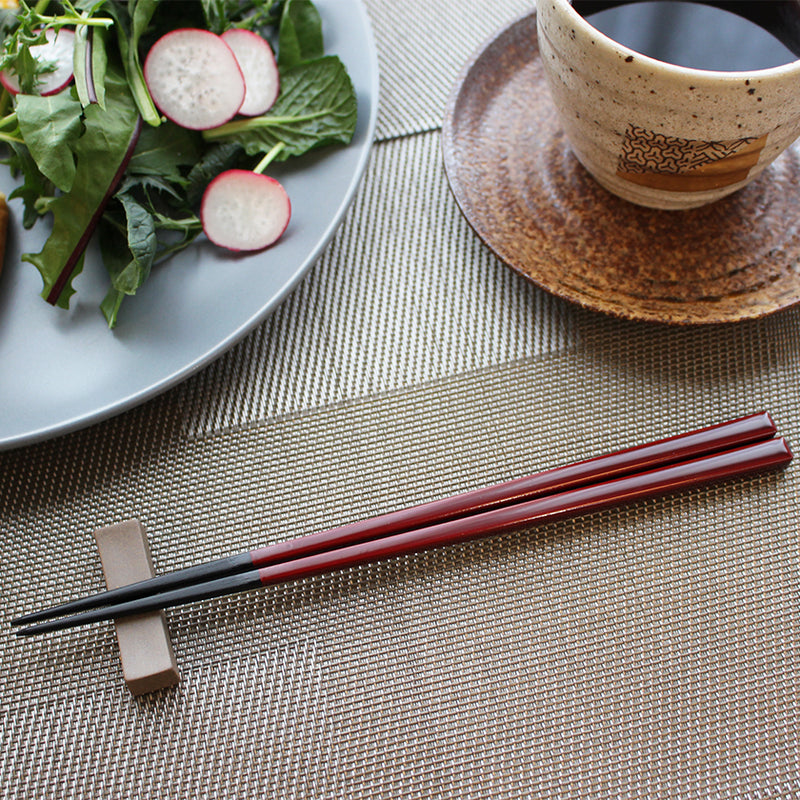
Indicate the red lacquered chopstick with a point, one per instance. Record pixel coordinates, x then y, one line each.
739 462
755 427
751 428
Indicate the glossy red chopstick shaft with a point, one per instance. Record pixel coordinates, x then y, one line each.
752 428
740 462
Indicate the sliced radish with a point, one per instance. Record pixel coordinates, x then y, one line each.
260 71
194 78
243 210
58 49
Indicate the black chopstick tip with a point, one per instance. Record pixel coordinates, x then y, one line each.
25 632
202 573
27 619
43 627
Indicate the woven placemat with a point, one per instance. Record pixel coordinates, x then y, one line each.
422 46
649 652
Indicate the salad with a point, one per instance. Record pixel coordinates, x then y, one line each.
146 123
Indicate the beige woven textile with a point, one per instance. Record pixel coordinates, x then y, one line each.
649 652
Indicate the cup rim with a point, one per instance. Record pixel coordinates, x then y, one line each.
778 71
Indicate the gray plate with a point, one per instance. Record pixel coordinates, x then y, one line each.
64 370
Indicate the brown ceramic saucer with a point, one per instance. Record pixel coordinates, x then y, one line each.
527 197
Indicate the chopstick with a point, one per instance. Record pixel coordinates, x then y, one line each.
466 515
739 462
725 435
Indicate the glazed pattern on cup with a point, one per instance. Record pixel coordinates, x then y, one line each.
657 134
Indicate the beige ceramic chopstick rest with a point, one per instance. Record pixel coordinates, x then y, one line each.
145 647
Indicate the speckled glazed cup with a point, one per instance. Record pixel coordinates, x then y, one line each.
657 134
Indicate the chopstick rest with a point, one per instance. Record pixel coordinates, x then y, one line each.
145 648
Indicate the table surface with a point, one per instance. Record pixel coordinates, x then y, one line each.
645 652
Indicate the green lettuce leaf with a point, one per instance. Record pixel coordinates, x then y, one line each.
128 262
50 127
164 150
300 34
34 187
116 257
142 244
317 106
101 151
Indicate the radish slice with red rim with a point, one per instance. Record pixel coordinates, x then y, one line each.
59 50
194 78
243 210
257 62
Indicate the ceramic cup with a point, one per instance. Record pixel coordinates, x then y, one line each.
657 134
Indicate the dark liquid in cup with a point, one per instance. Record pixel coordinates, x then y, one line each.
720 36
